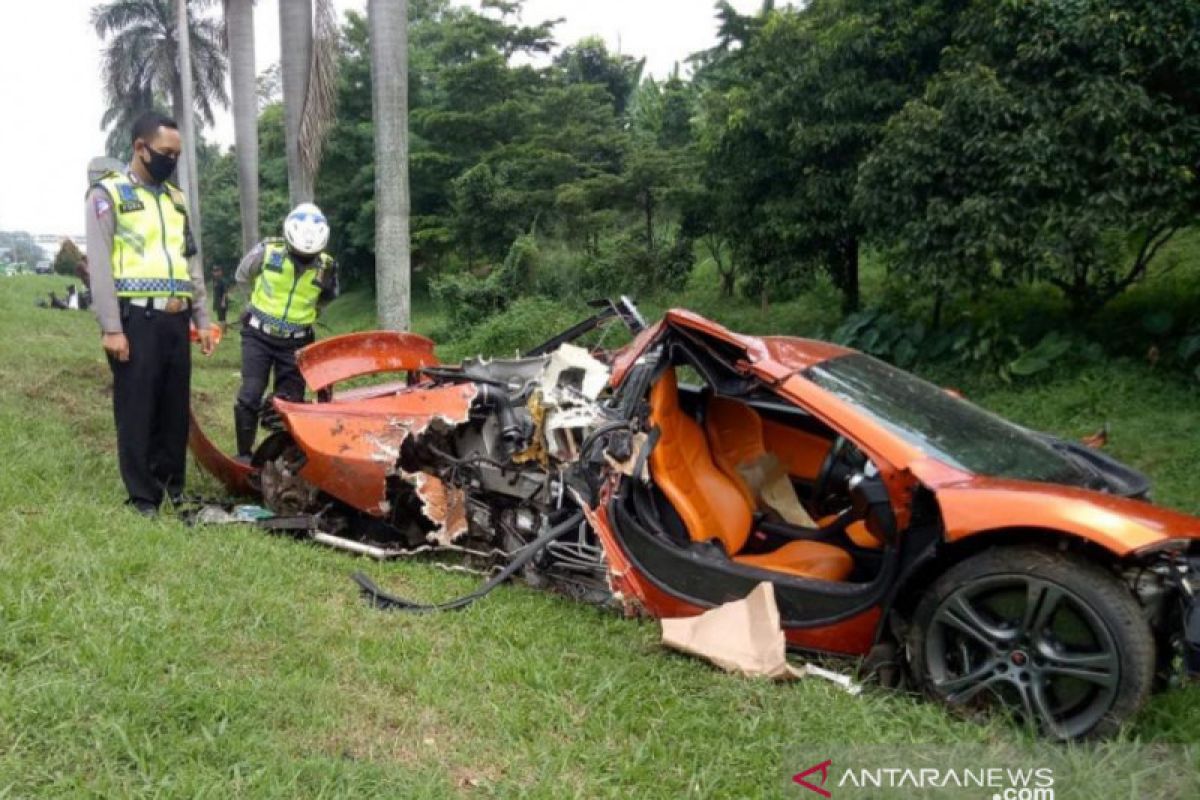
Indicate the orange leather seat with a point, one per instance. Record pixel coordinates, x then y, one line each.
714 506
736 435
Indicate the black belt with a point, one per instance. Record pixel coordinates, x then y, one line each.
168 305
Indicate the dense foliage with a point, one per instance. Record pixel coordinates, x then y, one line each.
958 145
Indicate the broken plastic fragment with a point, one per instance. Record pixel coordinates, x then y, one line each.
584 373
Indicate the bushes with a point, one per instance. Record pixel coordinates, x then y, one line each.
989 347
468 299
527 322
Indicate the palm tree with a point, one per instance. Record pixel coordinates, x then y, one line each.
141 59
308 65
239 38
189 175
389 103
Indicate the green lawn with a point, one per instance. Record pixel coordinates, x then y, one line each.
147 658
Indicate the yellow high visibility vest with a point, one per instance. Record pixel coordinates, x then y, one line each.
283 297
148 240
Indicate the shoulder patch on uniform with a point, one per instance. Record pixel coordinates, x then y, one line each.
100 204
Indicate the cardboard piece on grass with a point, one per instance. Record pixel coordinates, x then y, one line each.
744 637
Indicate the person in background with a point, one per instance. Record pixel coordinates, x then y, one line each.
291 278
220 296
145 287
81 272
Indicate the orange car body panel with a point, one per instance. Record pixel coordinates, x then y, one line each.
354 355
1118 524
352 448
233 475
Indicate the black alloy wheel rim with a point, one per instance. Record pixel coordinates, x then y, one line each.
1029 644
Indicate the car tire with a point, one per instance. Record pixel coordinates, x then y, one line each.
1052 636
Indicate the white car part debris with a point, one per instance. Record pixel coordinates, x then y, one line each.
585 374
744 637
369 550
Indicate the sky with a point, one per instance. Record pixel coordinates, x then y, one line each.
52 98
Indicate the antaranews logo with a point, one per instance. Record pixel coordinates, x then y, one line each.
996 783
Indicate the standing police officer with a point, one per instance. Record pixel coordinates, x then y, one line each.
292 277
145 286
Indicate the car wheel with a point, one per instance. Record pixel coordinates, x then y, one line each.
1049 636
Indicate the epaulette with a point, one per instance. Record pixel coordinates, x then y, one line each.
99 182
178 199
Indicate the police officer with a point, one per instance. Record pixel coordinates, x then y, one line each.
291 278
145 286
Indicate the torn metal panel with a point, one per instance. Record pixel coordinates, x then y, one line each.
444 506
353 448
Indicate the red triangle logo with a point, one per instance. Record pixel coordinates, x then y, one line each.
822 768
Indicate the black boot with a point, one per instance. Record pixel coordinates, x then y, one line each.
245 424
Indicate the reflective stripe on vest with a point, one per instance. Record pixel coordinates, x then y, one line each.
148 239
281 297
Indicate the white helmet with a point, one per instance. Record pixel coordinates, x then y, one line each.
306 230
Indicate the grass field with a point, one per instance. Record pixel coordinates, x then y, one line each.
144 658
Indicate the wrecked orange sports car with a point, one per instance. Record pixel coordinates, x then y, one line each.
987 564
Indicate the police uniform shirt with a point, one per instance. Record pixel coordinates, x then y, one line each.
250 267
101 225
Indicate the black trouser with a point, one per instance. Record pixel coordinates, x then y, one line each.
261 355
150 403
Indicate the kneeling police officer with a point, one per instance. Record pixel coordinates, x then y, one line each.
292 278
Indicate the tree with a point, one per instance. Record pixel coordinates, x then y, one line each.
589 61
188 173
68 258
309 71
1059 144
797 99
141 63
239 38
389 102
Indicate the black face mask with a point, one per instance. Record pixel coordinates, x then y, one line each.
159 165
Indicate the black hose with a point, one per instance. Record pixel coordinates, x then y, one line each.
385 601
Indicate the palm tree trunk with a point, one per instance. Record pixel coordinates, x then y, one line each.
239 31
389 102
188 174
295 60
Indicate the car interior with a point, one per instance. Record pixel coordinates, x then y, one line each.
740 475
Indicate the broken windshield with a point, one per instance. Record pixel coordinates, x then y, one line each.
941 425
